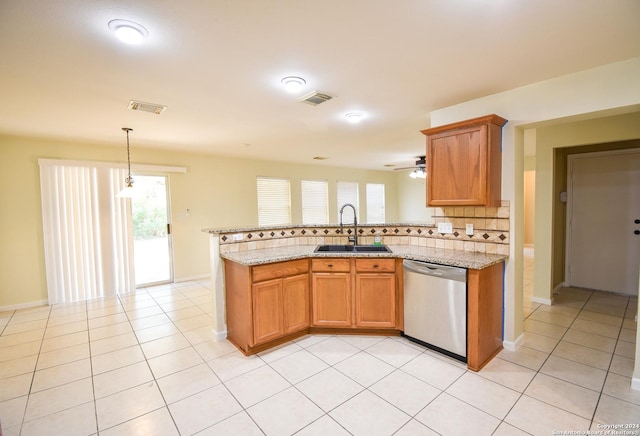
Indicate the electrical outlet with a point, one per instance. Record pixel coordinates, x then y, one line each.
469 229
237 237
445 228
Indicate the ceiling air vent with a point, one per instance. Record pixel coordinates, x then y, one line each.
146 107
315 98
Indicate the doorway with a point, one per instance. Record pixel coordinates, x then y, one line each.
151 231
603 214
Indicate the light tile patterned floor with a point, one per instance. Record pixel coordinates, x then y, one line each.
147 364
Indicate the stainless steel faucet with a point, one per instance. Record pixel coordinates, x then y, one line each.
353 239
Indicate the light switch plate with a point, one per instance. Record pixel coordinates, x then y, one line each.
445 228
237 237
469 229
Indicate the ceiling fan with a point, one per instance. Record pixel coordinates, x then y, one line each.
419 170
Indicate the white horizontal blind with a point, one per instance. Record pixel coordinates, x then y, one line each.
347 193
274 201
315 201
375 203
88 238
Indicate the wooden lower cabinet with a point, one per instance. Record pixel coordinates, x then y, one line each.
295 303
375 300
331 301
266 303
354 293
267 311
484 315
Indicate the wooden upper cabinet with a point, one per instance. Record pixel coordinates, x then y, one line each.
464 163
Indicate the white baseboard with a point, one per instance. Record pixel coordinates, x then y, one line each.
515 345
547 301
219 336
24 305
191 278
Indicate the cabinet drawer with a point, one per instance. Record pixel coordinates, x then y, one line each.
280 269
330 265
375 265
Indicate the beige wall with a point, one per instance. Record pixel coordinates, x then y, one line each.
554 144
529 207
593 93
412 199
219 192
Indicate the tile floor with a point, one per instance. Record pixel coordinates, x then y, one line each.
146 364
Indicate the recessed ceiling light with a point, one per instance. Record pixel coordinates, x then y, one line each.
353 117
128 31
293 83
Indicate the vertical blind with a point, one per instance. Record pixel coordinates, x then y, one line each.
375 203
315 201
274 201
88 238
347 193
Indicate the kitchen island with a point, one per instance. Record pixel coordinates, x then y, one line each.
270 285
276 294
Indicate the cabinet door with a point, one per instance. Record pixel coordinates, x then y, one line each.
457 167
331 299
295 296
267 311
376 300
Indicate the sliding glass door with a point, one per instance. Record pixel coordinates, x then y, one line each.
151 231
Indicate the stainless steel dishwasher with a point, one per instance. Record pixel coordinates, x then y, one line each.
435 307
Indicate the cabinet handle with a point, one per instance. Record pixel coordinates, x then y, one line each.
330 265
375 265
636 232
637 221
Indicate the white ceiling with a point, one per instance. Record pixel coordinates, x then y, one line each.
217 65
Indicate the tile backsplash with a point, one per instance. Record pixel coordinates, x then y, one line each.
490 232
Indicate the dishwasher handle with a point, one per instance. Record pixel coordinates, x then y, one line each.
435 270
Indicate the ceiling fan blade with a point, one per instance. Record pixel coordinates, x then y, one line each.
420 163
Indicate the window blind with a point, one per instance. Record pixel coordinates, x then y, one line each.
88 237
274 201
347 193
375 203
315 201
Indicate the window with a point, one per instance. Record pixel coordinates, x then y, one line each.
375 203
315 202
274 204
347 193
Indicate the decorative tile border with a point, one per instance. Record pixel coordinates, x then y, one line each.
491 233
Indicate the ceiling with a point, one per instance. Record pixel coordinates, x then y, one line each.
217 65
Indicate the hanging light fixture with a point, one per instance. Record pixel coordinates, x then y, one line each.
418 173
127 192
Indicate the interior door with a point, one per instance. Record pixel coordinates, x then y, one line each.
151 231
603 221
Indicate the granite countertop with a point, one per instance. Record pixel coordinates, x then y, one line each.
463 259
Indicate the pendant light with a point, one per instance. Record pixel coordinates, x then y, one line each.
127 192
418 173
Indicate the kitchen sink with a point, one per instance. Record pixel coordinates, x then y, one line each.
352 249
